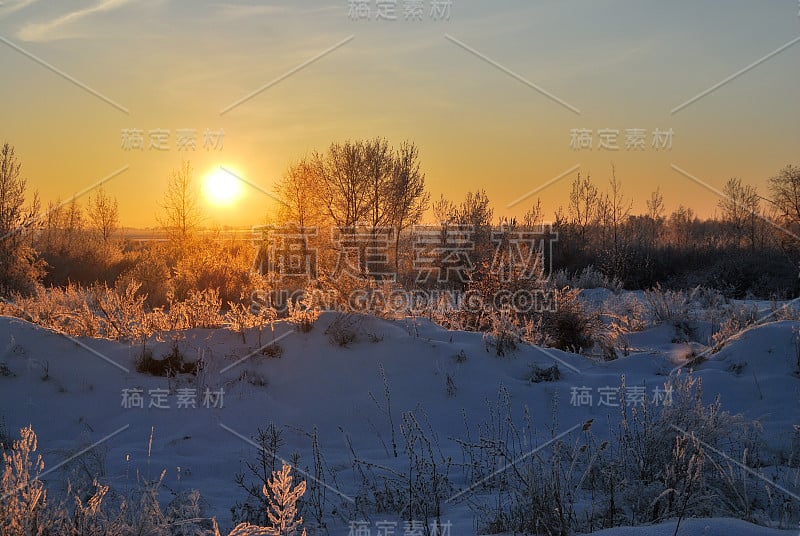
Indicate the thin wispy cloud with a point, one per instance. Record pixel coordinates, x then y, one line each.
8 8
236 11
243 10
55 29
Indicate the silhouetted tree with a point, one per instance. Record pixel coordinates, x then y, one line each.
103 213
785 189
655 214
19 269
443 209
740 210
181 212
344 190
584 205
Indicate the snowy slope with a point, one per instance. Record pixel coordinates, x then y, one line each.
72 394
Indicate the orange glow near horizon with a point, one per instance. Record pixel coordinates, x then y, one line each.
493 108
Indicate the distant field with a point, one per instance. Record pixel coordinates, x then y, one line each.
159 235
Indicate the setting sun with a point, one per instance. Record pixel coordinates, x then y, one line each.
221 187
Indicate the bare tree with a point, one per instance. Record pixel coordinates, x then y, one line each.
103 212
368 183
378 164
655 215
617 207
584 204
740 210
298 194
681 224
443 210
344 188
475 210
534 217
785 189
408 199
18 266
72 228
182 214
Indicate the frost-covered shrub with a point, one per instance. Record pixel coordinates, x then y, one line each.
786 311
504 333
200 309
93 510
544 374
625 313
120 311
662 457
344 329
667 305
212 264
570 326
302 315
22 493
708 298
279 497
678 457
738 319
169 365
589 277
420 484
148 269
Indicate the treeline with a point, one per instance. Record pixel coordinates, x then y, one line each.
368 186
751 248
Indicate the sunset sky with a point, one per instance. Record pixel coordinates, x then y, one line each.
464 89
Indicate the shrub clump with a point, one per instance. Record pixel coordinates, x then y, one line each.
168 366
343 331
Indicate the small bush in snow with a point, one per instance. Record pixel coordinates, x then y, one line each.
589 277
168 366
254 508
667 305
739 318
504 334
283 517
273 350
303 315
570 326
450 385
343 331
22 493
544 374
625 313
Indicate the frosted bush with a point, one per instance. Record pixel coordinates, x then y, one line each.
667 305
588 278
22 494
282 496
739 318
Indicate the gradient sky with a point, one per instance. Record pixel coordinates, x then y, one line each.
622 63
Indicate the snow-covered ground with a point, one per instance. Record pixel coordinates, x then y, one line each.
74 395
